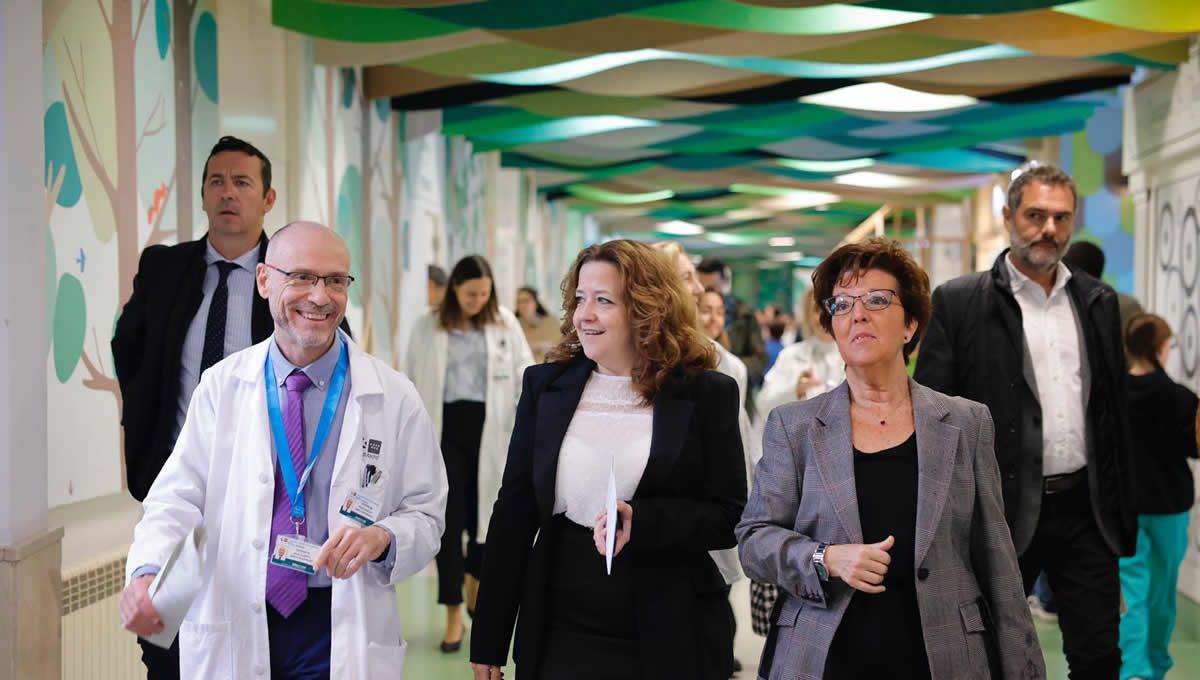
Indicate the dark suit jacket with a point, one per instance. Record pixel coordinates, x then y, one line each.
147 350
687 503
975 347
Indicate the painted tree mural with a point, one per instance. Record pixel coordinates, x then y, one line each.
112 166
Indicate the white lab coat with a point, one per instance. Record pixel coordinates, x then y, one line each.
221 475
779 384
508 355
727 560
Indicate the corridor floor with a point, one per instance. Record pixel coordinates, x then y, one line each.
424 621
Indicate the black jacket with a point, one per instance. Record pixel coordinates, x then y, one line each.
147 349
975 348
687 503
1162 419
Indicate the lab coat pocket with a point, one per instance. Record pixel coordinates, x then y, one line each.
206 649
385 661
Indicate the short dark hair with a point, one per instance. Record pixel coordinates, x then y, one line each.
231 143
1144 334
776 327
1085 256
437 275
713 265
1050 175
886 255
470 267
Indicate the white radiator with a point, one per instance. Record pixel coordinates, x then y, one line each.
94 645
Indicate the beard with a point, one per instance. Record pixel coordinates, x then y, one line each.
1040 259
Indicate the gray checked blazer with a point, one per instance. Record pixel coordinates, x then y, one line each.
974 616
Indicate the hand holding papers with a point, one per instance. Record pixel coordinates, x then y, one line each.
610 539
176 585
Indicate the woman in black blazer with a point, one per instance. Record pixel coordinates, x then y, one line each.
629 396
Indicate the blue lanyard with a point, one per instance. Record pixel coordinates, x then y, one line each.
295 489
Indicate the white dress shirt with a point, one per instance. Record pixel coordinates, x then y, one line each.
1052 335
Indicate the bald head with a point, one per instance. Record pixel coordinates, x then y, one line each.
303 236
305 279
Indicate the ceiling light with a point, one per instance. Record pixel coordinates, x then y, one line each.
679 228
878 180
781 241
790 256
826 166
727 239
888 98
748 214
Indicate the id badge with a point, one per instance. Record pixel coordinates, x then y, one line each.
360 508
296 553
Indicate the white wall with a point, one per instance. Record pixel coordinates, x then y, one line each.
1162 159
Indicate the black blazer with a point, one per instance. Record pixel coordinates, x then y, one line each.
147 349
689 499
975 348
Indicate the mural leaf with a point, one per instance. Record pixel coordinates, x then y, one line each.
383 109
349 221
70 322
349 80
162 26
61 154
205 46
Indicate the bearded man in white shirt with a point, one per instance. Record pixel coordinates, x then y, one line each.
1040 344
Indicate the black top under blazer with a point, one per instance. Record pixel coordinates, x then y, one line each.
688 501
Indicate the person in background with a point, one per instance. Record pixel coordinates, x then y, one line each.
316 409
435 286
1162 417
541 329
810 367
1089 258
193 303
1040 344
774 340
629 396
745 336
876 508
466 358
791 330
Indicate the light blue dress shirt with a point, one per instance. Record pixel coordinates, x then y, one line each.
238 337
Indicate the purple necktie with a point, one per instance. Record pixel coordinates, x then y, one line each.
287 588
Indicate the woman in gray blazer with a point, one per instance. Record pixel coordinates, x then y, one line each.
876 507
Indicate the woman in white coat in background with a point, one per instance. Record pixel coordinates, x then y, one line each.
802 371
467 358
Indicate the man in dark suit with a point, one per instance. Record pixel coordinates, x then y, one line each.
1040 344
192 304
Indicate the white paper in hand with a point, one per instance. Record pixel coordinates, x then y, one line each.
176 586
610 504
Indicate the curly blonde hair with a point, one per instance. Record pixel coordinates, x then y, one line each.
662 315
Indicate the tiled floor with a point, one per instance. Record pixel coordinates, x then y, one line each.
424 621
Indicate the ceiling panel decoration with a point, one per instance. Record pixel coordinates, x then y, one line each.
753 119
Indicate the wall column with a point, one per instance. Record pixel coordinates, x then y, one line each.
30 555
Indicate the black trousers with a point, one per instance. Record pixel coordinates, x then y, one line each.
301 644
462 432
1084 577
161 664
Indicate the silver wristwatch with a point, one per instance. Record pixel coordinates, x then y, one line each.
818 560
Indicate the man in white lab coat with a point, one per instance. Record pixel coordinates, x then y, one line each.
315 472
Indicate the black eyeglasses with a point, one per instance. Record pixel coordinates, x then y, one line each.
873 300
337 283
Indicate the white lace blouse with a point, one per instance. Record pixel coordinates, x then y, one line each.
611 426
